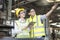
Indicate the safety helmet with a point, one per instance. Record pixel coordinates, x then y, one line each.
17 10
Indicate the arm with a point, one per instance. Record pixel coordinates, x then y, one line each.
52 9
25 28
16 30
30 25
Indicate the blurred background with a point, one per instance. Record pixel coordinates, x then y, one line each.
7 15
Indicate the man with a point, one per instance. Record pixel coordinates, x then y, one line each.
38 30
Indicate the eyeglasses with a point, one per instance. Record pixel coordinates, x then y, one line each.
23 13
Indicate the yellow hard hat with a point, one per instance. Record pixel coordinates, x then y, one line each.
18 9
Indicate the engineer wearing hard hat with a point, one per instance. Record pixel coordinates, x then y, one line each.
20 25
38 30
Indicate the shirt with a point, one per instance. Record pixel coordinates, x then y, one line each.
16 29
43 17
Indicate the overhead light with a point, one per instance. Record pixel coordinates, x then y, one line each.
57 0
50 1
53 0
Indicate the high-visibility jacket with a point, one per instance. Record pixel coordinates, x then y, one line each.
38 29
24 33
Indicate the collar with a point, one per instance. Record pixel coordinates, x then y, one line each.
33 17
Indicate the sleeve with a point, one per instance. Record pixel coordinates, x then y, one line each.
15 30
43 17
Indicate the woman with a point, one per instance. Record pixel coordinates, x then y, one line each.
20 25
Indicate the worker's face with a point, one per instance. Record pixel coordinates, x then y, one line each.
32 12
22 14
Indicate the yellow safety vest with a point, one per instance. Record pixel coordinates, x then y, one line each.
21 35
38 28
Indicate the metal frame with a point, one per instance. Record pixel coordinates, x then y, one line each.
9 9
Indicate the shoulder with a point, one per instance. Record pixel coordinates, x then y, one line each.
38 15
43 16
27 19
